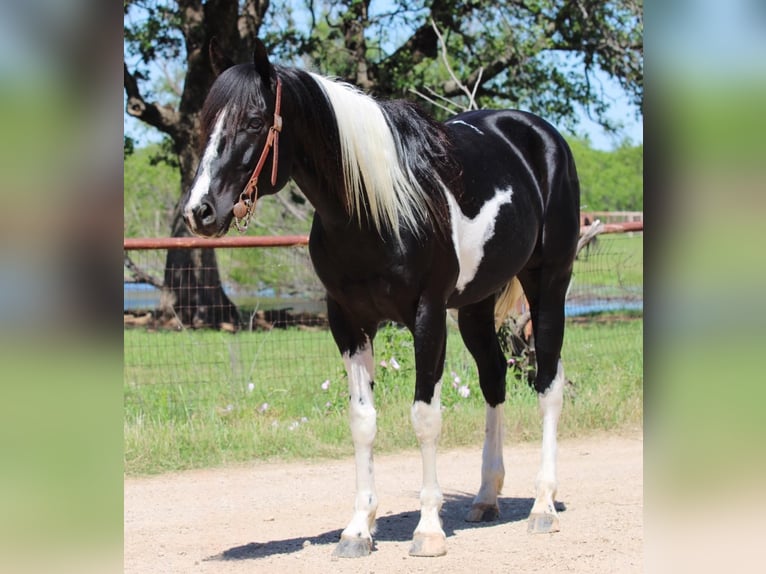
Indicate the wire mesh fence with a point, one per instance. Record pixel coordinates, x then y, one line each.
281 328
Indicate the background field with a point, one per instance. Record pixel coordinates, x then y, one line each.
199 398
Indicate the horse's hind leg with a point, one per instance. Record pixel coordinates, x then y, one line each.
546 292
430 339
477 327
356 348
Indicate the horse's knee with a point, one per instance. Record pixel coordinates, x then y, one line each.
426 418
363 422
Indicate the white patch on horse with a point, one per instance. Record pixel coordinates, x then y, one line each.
202 183
427 422
546 485
492 469
461 122
470 235
360 369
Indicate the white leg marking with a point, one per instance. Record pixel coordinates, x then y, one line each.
427 422
546 485
202 183
492 469
461 122
470 235
360 369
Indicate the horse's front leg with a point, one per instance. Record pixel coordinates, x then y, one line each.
356 348
430 337
356 539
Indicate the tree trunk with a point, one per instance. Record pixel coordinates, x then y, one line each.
192 293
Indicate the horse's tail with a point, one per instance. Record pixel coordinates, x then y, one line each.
505 304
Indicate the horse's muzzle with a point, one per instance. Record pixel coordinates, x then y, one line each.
201 219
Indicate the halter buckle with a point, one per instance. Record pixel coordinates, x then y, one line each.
243 209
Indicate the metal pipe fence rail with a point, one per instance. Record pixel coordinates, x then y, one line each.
282 331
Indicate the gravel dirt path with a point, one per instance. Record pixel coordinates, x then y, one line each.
287 517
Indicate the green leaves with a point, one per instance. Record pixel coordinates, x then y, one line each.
153 30
539 55
151 190
610 181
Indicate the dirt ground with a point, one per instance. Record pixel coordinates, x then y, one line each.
276 517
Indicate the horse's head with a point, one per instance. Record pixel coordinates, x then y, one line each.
236 121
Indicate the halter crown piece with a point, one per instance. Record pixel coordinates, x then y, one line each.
244 208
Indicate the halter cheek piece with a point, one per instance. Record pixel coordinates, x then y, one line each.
245 207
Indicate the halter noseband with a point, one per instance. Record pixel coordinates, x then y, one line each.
244 208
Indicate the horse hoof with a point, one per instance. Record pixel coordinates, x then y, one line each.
542 523
428 545
353 547
483 513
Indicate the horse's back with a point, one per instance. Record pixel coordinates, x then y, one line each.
501 149
512 146
518 165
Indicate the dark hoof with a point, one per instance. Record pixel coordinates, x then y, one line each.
353 548
542 523
483 513
428 545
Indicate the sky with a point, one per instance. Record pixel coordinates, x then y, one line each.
621 110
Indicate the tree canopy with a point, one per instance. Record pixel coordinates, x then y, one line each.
539 55
610 181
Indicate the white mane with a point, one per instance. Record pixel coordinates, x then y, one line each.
375 171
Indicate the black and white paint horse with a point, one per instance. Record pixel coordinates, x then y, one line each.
412 217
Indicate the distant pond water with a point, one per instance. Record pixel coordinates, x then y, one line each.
142 296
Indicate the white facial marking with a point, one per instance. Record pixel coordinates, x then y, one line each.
202 183
470 235
461 122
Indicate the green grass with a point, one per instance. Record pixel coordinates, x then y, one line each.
204 398
613 268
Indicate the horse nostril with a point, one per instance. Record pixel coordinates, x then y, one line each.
205 213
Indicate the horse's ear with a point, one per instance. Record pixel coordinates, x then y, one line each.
262 64
219 61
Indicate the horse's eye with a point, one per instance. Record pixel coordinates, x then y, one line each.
254 124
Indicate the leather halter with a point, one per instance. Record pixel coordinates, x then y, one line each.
245 207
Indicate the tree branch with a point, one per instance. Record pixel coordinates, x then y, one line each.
484 74
422 45
138 274
471 101
250 20
433 102
353 26
418 47
164 118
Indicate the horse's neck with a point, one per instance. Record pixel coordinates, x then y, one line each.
315 164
